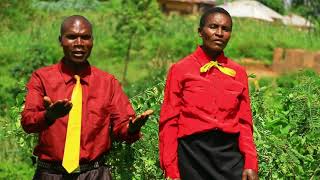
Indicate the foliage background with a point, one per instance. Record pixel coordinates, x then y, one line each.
286 108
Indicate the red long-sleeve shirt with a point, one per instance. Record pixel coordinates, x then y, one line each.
197 102
106 109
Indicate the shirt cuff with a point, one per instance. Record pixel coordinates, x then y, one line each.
172 172
251 162
43 122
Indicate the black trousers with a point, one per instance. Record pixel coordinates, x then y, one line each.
211 155
101 173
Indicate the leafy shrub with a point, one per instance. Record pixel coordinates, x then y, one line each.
287 120
13 171
140 160
287 128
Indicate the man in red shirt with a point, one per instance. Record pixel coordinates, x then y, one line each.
105 112
205 120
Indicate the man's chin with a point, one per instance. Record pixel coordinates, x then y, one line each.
217 49
78 60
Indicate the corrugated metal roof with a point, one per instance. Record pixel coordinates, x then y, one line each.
251 9
255 9
296 20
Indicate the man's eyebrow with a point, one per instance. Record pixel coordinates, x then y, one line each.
212 23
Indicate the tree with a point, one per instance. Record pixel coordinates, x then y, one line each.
276 5
308 8
135 19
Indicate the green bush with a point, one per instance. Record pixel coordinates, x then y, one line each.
287 120
14 171
140 160
287 128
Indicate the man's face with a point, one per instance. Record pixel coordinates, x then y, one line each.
77 41
216 32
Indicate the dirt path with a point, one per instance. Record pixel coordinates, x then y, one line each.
261 72
258 68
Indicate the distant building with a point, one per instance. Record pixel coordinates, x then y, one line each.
257 10
251 9
186 6
297 21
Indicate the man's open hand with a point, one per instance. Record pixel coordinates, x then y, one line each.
56 109
136 124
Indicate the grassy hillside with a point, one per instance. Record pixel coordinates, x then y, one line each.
29 39
174 38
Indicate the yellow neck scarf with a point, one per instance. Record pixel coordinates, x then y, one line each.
224 70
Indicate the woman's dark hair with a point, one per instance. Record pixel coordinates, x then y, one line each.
213 10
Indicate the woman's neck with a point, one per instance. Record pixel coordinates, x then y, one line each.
212 54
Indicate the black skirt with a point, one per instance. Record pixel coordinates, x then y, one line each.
211 155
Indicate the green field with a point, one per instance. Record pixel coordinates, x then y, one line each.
286 109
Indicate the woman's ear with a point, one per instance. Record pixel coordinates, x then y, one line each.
199 32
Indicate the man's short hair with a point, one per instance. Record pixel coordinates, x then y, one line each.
72 18
213 10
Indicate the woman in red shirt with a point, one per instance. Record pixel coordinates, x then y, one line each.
206 129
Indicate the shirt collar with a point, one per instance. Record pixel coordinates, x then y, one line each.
203 58
68 72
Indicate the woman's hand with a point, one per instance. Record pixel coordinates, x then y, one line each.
249 174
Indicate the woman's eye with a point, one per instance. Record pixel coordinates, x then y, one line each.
226 29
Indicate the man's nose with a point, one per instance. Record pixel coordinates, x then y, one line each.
78 41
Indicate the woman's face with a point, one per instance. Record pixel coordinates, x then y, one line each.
216 32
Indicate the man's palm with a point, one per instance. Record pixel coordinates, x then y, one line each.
57 109
136 124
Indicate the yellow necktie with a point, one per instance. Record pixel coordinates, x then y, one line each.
72 145
225 70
